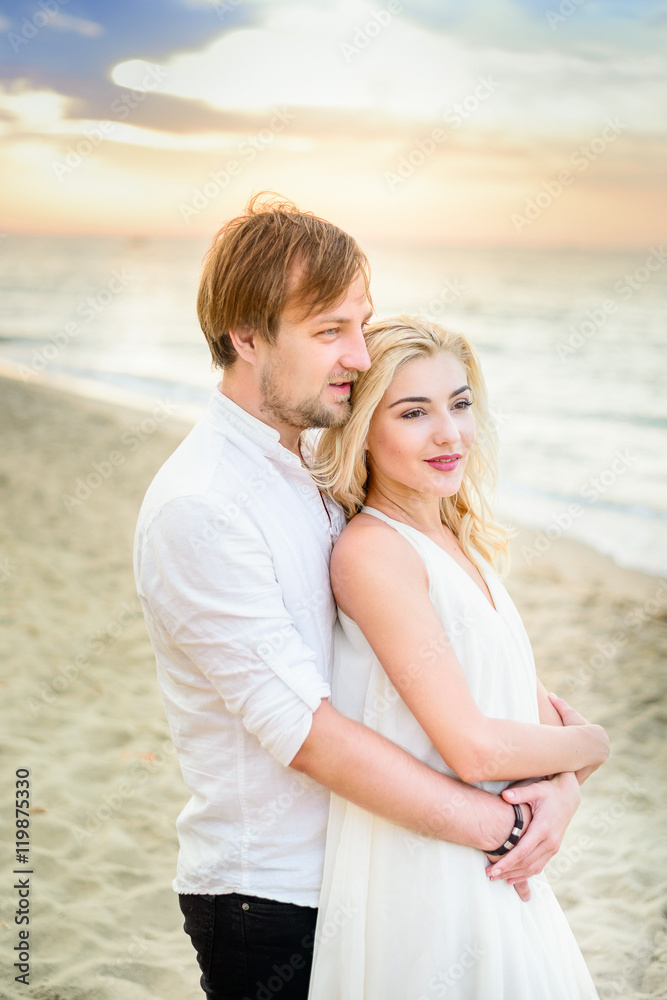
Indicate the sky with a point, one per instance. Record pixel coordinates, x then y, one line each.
476 122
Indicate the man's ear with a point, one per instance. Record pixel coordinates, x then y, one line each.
244 339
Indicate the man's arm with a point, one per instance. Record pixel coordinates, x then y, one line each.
364 767
217 596
361 765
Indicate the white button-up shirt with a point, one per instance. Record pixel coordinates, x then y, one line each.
232 567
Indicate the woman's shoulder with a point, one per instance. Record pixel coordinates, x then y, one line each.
370 547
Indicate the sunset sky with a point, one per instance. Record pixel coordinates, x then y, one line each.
471 122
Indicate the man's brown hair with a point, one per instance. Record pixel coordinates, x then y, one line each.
271 257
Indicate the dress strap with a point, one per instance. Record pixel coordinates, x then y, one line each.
400 526
412 535
377 513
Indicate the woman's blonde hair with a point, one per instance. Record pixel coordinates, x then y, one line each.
340 465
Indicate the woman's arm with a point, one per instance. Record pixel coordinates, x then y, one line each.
380 582
525 859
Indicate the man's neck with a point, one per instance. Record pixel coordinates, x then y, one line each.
246 395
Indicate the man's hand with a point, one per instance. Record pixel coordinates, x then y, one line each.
553 803
571 717
522 887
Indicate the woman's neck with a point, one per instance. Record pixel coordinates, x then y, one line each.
420 510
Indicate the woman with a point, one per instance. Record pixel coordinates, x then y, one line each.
431 652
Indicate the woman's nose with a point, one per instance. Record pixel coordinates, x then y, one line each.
447 429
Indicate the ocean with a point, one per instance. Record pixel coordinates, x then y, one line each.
573 344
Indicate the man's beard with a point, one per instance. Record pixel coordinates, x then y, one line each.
308 413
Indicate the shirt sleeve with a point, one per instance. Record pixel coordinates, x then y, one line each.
214 592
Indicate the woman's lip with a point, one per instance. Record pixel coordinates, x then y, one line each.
445 463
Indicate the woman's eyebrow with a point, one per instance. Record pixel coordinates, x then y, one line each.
411 399
425 399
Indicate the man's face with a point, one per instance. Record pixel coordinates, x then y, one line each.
306 378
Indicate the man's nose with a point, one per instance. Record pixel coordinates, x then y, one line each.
356 355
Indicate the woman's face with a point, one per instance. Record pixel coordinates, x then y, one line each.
421 433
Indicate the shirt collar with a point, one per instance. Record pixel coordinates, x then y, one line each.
222 411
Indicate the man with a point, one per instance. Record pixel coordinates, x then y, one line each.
232 555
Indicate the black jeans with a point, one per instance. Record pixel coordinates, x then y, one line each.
250 948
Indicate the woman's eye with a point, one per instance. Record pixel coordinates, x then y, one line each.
462 404
411 414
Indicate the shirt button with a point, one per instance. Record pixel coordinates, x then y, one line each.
245 906
305 489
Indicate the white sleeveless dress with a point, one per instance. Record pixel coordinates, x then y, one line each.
406 917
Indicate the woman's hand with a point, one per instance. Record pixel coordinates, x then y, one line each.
571 717
553 803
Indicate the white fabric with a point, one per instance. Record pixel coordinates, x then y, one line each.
232 567
406 916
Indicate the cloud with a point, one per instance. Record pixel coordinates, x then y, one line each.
65 22
343 58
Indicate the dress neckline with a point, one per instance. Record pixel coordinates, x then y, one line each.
491 604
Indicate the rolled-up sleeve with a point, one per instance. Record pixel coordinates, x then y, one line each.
214 592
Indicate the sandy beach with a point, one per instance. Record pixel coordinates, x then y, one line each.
82 714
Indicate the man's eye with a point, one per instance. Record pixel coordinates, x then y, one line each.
328 333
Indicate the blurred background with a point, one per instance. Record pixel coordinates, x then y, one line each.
503 164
